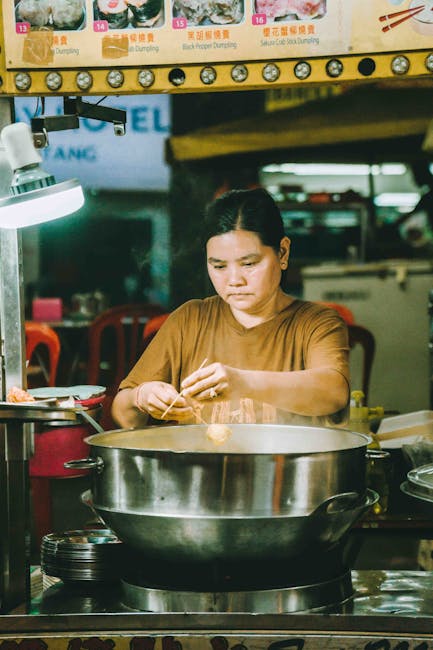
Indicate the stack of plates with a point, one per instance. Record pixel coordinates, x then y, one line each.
78 555
419 483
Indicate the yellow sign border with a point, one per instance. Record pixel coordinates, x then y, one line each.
417 68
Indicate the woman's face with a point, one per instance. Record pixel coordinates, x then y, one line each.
245 273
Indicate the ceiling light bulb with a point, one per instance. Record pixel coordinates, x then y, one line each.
302 70
239 73
400 64
115 78
53 80
271 72
429 61
35 195
208 75
23 81
84 80
177 77
334 68
146 78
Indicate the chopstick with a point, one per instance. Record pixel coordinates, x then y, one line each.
203 363
400 13
200 419
402 20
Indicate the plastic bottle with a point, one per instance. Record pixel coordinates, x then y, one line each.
359 420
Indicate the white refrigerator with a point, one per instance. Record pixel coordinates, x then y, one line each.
391 299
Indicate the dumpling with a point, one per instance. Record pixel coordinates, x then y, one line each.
218 433
145 12
195 11
17 395
35 12
223 12
67 14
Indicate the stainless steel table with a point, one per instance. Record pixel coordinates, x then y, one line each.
391 610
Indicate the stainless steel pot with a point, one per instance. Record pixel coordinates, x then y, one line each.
270 490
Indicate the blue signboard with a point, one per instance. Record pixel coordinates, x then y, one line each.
99 158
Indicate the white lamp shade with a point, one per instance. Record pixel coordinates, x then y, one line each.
17 140
38 206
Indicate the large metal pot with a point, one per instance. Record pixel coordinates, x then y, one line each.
269 491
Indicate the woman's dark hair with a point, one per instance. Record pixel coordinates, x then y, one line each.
253 210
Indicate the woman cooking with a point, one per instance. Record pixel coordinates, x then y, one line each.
251 353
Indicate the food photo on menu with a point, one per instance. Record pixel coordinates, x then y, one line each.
57 15
123 14
288 10
209 12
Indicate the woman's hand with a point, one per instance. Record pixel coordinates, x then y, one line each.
215 381
155 397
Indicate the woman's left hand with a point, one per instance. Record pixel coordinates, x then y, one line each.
215 381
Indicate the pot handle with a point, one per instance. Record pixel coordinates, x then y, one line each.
338 503
377 454
85 463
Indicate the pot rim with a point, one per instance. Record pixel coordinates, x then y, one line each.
358 440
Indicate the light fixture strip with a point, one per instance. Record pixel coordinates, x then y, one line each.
330 169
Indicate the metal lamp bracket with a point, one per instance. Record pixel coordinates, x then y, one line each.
75 107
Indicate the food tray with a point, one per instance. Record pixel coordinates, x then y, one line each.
425 494
399 430
79 392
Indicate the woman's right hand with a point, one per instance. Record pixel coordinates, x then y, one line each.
154 397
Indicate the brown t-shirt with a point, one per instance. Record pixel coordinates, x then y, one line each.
303 335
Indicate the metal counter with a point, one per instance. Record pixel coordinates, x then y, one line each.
390 609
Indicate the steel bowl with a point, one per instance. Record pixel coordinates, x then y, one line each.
268 490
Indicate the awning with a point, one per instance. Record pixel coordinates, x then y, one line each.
360 115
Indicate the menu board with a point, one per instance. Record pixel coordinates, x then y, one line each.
92 33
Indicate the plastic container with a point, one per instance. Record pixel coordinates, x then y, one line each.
55 445
399 430
47 309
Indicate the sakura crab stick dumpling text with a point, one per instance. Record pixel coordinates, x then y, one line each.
218 433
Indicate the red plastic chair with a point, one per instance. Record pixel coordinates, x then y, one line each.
39 335
151 328
126 323
115 343
345 313
358 335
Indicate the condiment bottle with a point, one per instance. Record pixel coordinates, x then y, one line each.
377 460
358 413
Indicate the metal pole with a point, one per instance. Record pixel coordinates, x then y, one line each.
14 448
12 310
